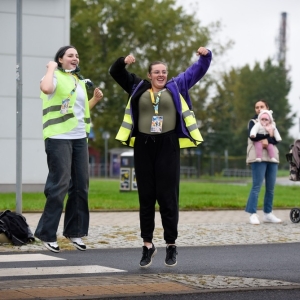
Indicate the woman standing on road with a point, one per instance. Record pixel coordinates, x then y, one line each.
157 123
264 170
66 125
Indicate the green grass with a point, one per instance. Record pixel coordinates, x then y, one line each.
202 194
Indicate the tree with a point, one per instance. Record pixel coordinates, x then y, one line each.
152 30
233 106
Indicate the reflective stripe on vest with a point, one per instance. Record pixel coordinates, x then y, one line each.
54 122
126 127
188 116
191 125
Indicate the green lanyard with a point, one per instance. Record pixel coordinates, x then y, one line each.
155 102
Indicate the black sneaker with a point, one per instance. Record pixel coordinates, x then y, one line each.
171 260
146 260
78 243
52 246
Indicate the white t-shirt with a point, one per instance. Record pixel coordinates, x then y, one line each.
79 109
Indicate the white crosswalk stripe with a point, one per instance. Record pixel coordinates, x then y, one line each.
27 257
36 271
89 269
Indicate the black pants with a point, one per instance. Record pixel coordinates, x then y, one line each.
157 168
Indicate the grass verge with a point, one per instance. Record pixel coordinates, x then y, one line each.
194 195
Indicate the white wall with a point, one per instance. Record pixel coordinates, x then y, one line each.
45 28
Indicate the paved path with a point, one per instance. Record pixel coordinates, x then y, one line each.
196 228
121 229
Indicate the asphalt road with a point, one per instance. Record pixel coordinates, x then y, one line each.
271 261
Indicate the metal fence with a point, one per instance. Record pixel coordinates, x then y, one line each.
237 172
98 170
194 166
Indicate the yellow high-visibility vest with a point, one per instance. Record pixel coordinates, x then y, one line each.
54 122
124 133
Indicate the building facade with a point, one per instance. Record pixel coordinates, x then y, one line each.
45 28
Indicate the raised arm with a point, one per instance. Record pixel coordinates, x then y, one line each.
120 74
46 85
195 72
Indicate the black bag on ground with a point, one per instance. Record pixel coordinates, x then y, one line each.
15 227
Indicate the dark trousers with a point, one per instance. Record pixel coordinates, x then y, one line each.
68 174
157 169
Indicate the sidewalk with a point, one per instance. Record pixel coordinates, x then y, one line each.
210 228
185 217
121 229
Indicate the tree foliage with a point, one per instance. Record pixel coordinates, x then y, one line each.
103 30
233 106
151 30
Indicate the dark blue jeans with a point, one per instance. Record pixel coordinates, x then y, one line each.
262 171
68 174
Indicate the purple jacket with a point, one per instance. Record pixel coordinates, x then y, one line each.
135 87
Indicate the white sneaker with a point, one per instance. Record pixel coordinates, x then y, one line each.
254 219
78 243
270 218
273 159
258 159
52 246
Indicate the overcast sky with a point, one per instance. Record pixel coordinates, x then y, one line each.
254 26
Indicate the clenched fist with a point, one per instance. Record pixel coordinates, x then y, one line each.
202 51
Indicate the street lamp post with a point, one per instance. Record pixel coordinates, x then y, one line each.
19 110
105 136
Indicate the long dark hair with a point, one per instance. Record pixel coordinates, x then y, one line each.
61 52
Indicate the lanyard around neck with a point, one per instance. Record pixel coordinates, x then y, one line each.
76 82
155 102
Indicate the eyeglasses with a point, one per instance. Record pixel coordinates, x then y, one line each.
158 72
263 119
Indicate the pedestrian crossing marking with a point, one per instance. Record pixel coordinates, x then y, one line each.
90 269
27 257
